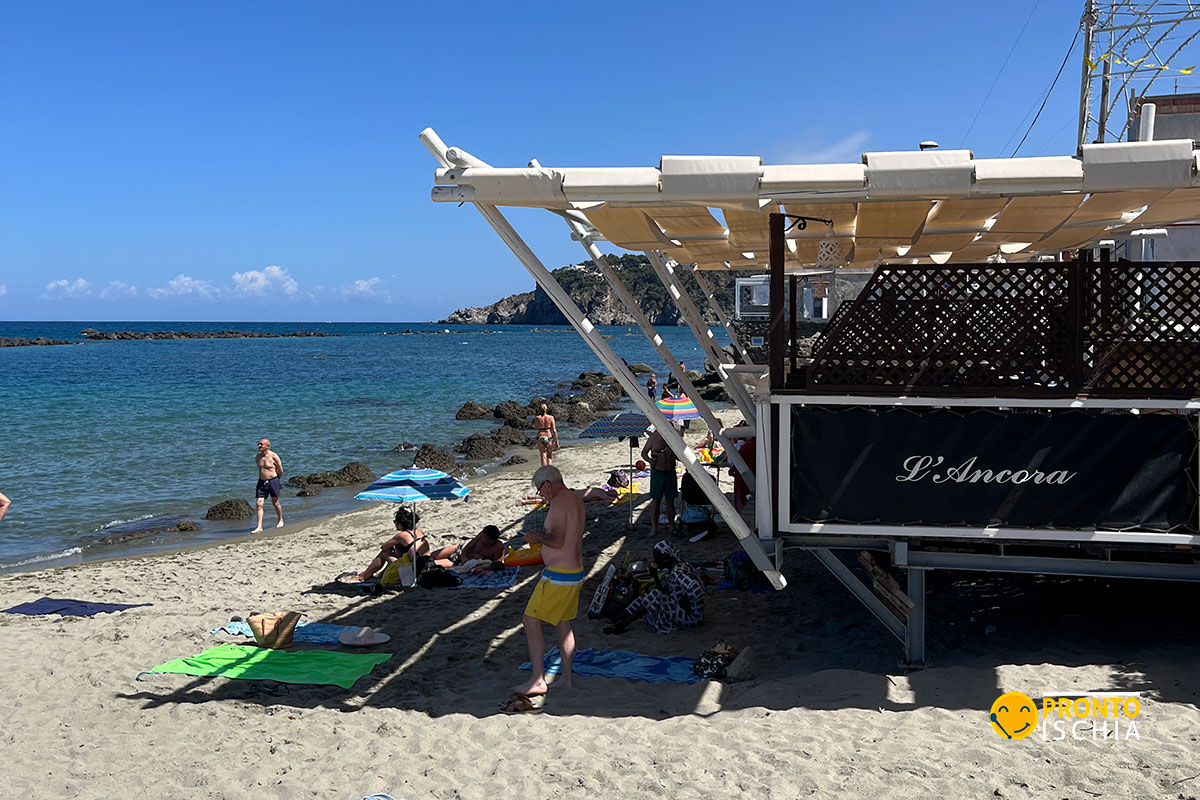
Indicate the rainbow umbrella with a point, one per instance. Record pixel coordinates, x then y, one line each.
678 408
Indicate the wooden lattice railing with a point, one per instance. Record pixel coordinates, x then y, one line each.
1125 329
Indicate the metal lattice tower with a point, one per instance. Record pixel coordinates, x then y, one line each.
1127 48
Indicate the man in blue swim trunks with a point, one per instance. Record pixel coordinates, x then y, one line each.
555 599
270 470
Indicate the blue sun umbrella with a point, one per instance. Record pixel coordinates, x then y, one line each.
414 486
625 424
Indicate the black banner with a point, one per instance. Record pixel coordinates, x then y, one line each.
1068 469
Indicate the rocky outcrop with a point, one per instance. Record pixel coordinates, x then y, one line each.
95 335
593 295
511 436
354 472
473 410
403 447
21 341
230 510
478 447
511 409
431 457
515 460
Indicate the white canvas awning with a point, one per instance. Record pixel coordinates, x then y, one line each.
933 205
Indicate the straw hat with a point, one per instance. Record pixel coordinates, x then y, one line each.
362 637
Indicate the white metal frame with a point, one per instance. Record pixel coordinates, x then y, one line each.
456 157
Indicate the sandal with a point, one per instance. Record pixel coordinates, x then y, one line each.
521 704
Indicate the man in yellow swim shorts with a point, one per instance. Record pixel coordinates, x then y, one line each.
555 599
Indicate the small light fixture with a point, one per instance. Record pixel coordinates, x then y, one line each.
928 144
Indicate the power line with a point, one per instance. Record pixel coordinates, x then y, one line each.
1048 93
999 72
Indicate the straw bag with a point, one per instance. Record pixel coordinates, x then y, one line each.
274 630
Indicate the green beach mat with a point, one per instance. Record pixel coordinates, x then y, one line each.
256 663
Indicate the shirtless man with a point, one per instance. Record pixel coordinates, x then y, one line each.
555 599
662 479
547 434
485 545
5 503
270 470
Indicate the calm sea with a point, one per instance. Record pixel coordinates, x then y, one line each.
104 439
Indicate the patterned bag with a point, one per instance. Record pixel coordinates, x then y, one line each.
712 662
618 479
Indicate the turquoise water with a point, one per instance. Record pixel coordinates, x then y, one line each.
102 434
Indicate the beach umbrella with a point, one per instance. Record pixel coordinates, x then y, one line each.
678 408
622 425
414 486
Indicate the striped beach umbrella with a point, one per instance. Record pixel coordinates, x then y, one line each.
622 425
678 408
414 486
617 426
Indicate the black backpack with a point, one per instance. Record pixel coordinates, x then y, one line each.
436 577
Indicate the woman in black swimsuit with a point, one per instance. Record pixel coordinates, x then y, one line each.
547 434
407 533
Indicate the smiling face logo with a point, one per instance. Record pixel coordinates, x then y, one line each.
1013 715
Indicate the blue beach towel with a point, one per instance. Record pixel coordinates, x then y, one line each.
309 632
68 608
499 579
624 664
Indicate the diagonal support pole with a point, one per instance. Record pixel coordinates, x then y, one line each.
665 269
618 286
753 547
707 291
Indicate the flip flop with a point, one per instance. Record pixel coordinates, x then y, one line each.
521 704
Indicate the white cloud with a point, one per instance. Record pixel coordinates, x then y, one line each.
847 150
116 290
267 281
371 287
63 288
184 286
3 289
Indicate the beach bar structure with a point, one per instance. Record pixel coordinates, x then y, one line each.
998 395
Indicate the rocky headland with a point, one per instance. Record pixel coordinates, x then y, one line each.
584 283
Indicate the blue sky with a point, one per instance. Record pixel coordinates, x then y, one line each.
259 161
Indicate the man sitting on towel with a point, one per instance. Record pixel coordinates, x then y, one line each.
485 546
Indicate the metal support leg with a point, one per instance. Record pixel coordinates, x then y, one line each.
862 592
914 633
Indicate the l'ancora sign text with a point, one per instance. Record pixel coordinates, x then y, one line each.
918 468
1082 470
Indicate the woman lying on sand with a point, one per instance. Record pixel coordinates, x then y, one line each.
592 494
407 532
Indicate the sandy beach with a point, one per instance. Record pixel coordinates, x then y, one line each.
828 712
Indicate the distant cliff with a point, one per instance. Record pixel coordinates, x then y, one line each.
597 300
